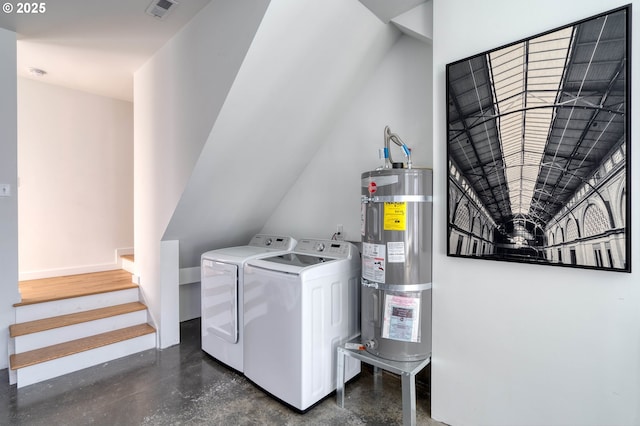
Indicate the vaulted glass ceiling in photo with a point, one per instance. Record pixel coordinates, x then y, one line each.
529 123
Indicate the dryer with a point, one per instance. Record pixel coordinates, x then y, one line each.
298 307
222 295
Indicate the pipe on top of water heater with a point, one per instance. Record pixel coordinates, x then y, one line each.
388 136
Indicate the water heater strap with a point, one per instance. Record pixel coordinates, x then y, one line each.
398 199
396 287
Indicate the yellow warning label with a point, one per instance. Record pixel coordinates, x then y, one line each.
395 216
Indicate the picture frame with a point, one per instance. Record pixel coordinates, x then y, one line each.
539 148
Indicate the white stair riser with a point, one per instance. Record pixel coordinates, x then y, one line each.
58 367
45 338
77 304
128 266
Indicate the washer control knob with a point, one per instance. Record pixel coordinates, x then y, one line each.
268 242
320 246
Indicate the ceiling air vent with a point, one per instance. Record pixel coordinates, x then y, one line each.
159 9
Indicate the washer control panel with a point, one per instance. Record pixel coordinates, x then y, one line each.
329 248
273 241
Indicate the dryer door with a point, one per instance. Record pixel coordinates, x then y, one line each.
220 300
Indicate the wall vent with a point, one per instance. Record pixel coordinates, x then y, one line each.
159 9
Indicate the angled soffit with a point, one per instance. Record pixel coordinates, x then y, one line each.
386 10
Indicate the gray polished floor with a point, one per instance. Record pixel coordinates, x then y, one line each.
182 385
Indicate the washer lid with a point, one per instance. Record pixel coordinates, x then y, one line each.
239 254
260 244
298 259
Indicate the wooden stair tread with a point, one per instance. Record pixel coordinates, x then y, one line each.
58 288
60 350
36 326
129 257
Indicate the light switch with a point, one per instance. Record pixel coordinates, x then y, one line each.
5 190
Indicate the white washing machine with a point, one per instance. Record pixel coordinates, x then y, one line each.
298 307
222 295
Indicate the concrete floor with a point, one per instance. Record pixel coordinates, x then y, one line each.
182 385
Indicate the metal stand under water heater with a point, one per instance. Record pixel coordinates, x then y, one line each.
396 258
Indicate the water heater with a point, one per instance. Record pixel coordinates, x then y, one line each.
396 262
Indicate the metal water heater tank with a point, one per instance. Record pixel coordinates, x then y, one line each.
396 262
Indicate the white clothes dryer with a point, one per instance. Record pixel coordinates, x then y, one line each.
222 295
298 307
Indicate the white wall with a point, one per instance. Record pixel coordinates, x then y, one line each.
304 66
8 175
75 162
517 344
307 61
327 192
178 94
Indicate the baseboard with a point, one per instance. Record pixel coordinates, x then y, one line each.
189 275
60 272
121 252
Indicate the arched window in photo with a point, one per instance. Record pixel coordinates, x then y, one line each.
595 221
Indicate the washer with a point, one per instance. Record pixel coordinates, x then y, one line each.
222 295
298 308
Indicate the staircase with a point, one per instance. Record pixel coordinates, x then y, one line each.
65 324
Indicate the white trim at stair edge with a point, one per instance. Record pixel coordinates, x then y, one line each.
49 273
13 376
151 318
75 270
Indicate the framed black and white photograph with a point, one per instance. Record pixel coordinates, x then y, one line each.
538 148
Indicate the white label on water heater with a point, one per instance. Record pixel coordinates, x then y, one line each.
401 318
395 252
373 262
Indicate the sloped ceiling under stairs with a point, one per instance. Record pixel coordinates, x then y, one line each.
279 110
